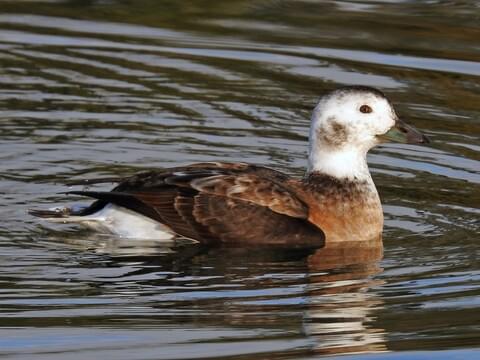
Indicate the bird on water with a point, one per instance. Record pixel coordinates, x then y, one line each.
238 203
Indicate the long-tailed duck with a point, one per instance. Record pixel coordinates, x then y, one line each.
217 202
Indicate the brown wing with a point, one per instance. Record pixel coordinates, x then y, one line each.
220 202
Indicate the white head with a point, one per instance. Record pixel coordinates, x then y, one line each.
347 123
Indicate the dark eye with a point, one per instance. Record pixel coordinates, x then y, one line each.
365 109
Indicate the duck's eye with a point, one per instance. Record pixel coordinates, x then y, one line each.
365 109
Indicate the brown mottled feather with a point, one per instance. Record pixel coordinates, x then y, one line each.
254 189
176 207
238 221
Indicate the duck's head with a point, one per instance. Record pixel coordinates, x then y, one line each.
347 123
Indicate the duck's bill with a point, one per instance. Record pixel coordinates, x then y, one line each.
404 133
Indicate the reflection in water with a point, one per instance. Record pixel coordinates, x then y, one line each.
341 305
330 286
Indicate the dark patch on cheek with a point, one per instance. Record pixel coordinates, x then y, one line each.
332 133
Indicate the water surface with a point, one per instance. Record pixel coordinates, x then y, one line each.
101 88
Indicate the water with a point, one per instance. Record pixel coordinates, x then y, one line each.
102 88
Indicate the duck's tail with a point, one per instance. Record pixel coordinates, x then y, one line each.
60 215
57 213
75 213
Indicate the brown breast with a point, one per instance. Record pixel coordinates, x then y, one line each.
344 210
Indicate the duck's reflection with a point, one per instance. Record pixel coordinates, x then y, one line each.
328 289
341 311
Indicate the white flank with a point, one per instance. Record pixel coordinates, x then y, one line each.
122 222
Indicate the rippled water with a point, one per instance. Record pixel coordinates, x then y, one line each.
100 88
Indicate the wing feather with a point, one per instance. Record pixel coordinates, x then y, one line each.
238 221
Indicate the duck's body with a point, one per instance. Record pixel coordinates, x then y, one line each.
247 204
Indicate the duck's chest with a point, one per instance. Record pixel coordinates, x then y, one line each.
345 211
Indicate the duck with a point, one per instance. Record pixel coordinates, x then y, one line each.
237 203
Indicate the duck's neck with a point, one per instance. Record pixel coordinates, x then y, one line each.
345 164
346 204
